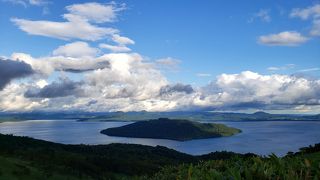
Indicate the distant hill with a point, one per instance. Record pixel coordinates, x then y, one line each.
174 129
199 116
144 115
261 113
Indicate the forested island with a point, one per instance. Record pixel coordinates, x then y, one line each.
173 129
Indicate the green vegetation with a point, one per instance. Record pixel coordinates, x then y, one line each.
83 161
304 165
12 168
175 129
27 158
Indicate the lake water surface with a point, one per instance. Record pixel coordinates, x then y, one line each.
260 137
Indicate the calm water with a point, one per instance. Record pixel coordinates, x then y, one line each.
262 137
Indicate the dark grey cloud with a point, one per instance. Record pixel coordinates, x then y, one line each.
57 89
10 70
80 67
180 88
92 102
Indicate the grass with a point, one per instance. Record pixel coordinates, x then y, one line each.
291 167
15 169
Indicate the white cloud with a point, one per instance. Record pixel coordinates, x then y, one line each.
12 99
168 63
96 12
122 40
76 49
315 30
312 12
41 83
263 15
38 2
26 3
278 68
305 13
309 70
74 28
128 76
203 74
41 67
126 82
273 68
78 24
114 48
286 38
252 90
129 83
47 65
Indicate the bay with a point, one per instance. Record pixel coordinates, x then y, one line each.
260 137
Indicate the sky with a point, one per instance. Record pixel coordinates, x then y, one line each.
160 55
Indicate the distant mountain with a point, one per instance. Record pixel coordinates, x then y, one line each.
261 113
174 129
202 116
144 115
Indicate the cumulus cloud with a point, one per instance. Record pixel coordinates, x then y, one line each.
63 88
128 76
76 49
252 90
286 38
40 67
130 84
12 99
47 65
125 81
10 70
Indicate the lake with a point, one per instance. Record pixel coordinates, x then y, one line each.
260 137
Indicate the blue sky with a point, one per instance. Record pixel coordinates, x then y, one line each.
189 42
